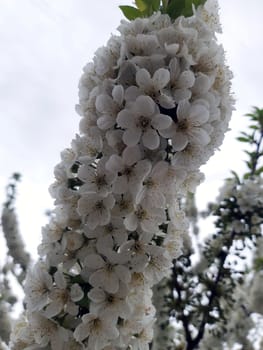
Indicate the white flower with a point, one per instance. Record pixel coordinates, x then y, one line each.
147 218
138 249
142 44
209 14
37 287
47 332
96 179
114 228
189 125
159 264
108 271
87 147
72 241
131 170
142 121
173 242
111 305
142 340
95 209
96 332
154 86
181 81
159 183
109 106
60 298
123 205
192 156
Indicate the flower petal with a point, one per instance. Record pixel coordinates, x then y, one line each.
145 106
199 136
131 137
143 78
94 261
161 121
179 141
151 139
161 78
125 119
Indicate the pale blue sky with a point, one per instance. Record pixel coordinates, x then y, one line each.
45 43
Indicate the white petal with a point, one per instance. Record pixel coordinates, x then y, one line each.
179 141
97 295
118 94
123 273
94 261
143 168
181 95
131 155
151 139
199 136
120 185
125 119
53 309
186 79
105 122
131 222
109 201
143 78
199 114
76 292
161 121
145 106
171 49
202 84
183 110
131 93
114 164
131 137
149 225
161 78
174 69
166 101
60 280
104 104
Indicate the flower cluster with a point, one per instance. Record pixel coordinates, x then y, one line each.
154 105
243 201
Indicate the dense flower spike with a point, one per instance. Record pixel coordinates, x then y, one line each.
155 96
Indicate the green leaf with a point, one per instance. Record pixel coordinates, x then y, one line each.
148 2
236 176
141 4
175 8
156 5
198 2
188 9
255 127
243 139
130 12
259 171
164 5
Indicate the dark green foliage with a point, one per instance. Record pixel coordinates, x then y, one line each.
174 8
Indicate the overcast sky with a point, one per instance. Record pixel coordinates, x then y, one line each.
43 46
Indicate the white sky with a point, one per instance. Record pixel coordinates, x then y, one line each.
43 46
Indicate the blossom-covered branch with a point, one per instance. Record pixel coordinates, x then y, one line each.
154 105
